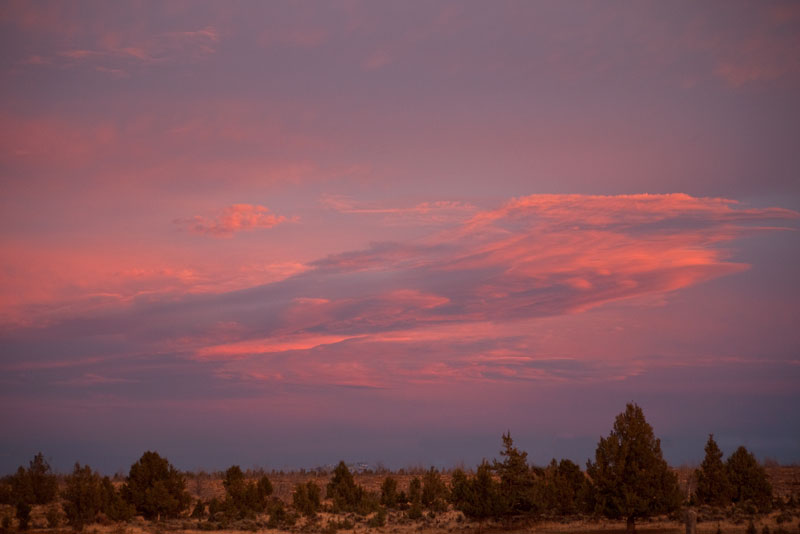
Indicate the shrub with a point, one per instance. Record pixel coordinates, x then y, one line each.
278 516
53 517
378 520
23 513
199 510
415 491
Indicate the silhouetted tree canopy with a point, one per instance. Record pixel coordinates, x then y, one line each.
389 496
346 494
307 498
155 488
748 479
563 488
713 486
478 497
83 496
434 491
517 479
631 479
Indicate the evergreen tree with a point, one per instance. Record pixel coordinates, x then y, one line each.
155 488
434 491
389 492
346 494
83 497
43 482
28 487
630 477
459 488
21 489
562 488
114 505
415 498
713 486
478 497
264 487
748 479
243 498
517 480
306 498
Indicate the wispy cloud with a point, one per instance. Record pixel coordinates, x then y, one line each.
234 218
461 304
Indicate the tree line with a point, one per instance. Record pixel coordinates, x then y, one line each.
628 480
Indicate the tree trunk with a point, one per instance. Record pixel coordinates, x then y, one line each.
631 525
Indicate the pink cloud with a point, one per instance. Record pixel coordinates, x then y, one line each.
234 218
473 298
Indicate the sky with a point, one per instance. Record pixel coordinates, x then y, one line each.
281 234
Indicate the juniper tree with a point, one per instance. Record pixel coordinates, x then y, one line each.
389 492
415 498
83 496
346 494
562 487
713 486
115 507
434 491
306 498
630 476
155 488
517 480
35 485
43 481
243 498
264 488
477 497
748 479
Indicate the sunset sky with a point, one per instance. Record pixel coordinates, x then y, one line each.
282 234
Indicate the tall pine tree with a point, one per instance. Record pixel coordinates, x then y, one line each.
630 477
713 485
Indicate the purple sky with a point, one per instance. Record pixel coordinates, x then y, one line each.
281 234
